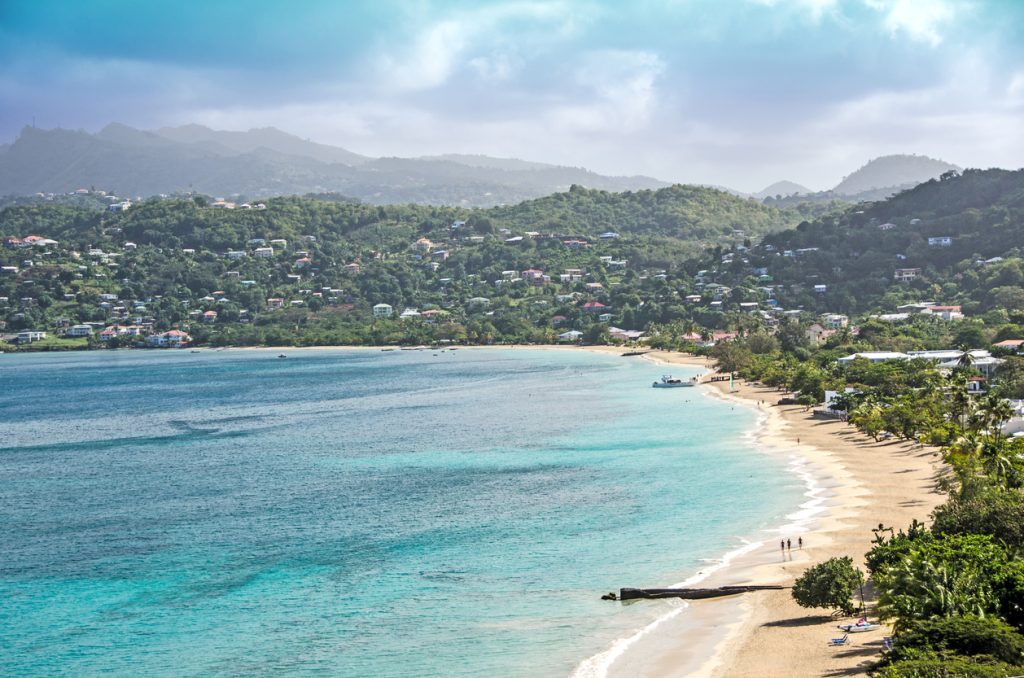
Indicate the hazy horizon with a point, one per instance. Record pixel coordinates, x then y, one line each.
740 94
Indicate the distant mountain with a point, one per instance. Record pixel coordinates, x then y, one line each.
265 137
894 172
265 162
487 161
783 188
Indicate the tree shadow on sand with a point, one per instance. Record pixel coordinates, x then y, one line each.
797 622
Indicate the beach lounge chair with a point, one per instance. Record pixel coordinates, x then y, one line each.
834 642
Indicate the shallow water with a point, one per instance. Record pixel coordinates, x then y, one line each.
355 513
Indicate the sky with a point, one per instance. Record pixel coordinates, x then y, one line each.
739 93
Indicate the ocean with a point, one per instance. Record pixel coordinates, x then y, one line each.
357 513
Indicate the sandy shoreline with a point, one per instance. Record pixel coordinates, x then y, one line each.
853 485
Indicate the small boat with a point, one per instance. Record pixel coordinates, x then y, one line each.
862 625
668 381
282 355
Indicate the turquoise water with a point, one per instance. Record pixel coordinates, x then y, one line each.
355 513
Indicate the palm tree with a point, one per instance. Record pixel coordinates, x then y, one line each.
995 412
966 359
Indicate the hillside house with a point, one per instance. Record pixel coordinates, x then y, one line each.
382 311
79 331
28 336
874 357
941 241
275 303
235 255
171 339
210 317
423 246
816 333
947 313
279 242
906 274
263 252
1011 344
834 321
535 276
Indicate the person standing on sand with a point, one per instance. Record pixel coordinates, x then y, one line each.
789 545
800 542
782 545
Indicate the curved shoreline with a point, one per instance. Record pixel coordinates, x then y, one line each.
859 483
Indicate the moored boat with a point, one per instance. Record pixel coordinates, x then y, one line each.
668 381
862 625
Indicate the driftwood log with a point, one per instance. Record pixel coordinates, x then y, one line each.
692 594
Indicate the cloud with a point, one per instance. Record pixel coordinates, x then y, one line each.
814 9
443 46
920 20
622 84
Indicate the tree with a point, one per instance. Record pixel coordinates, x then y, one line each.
995 511
955 576
830 584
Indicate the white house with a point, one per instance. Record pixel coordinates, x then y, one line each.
942 241
571 335
874 356
834 321
79 331
28 336
906 274
382 311
171 339
263 252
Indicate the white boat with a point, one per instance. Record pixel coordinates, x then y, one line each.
668 381
860 626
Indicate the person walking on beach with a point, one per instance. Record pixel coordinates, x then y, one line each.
789 545
782 545
800 542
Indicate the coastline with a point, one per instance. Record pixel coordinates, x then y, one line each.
853 485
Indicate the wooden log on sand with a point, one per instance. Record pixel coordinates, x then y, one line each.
691 594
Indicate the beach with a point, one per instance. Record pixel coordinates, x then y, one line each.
853 484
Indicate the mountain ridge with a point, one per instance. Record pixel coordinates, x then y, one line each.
267 161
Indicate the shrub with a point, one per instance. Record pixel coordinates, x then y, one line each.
968 635
946 667
830 584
